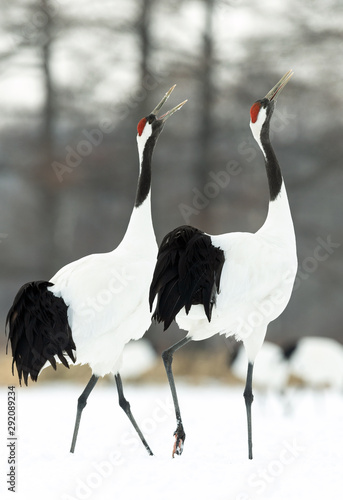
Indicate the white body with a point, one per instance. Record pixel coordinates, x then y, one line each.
138 358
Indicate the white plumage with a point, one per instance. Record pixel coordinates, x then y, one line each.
138 358
256 284
107 297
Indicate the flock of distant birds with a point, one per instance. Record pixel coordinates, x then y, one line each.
315 362
207 284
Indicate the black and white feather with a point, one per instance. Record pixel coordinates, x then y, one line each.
187 273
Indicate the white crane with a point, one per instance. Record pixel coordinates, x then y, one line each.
318 362
234 283
95 305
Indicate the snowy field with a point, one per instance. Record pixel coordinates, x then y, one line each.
298 445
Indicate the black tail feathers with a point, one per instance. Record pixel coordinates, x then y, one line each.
187 272
38 330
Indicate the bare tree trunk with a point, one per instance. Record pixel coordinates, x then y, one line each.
48 111
48 180
206 118
144 37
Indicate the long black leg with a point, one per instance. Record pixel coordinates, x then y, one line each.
167 357
248 397
81 403
125 405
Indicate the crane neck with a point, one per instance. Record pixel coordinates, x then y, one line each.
278 224
145 152
272 165
278 227
273 170
140 228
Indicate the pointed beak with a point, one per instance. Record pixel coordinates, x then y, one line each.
279 86
163 100
169 113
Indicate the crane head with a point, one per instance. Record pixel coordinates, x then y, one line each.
151 124
263 108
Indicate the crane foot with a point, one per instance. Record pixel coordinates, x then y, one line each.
180 437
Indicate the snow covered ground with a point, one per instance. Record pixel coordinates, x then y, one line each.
298 444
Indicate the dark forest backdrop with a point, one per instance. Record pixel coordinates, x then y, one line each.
76 77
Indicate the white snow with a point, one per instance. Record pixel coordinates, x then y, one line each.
297 454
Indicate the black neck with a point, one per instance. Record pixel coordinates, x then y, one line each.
144 181
272 165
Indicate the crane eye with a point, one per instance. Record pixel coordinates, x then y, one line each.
151 118
140 126
254 111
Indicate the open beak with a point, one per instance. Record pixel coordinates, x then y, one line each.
163 100
279 86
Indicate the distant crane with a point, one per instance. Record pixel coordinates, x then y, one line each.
97 304
272 367
315 362
234 283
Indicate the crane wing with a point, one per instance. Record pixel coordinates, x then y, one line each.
187 273
38 330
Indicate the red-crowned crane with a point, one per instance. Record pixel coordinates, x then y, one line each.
234 283
95 305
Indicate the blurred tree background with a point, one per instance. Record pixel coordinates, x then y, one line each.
75 79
